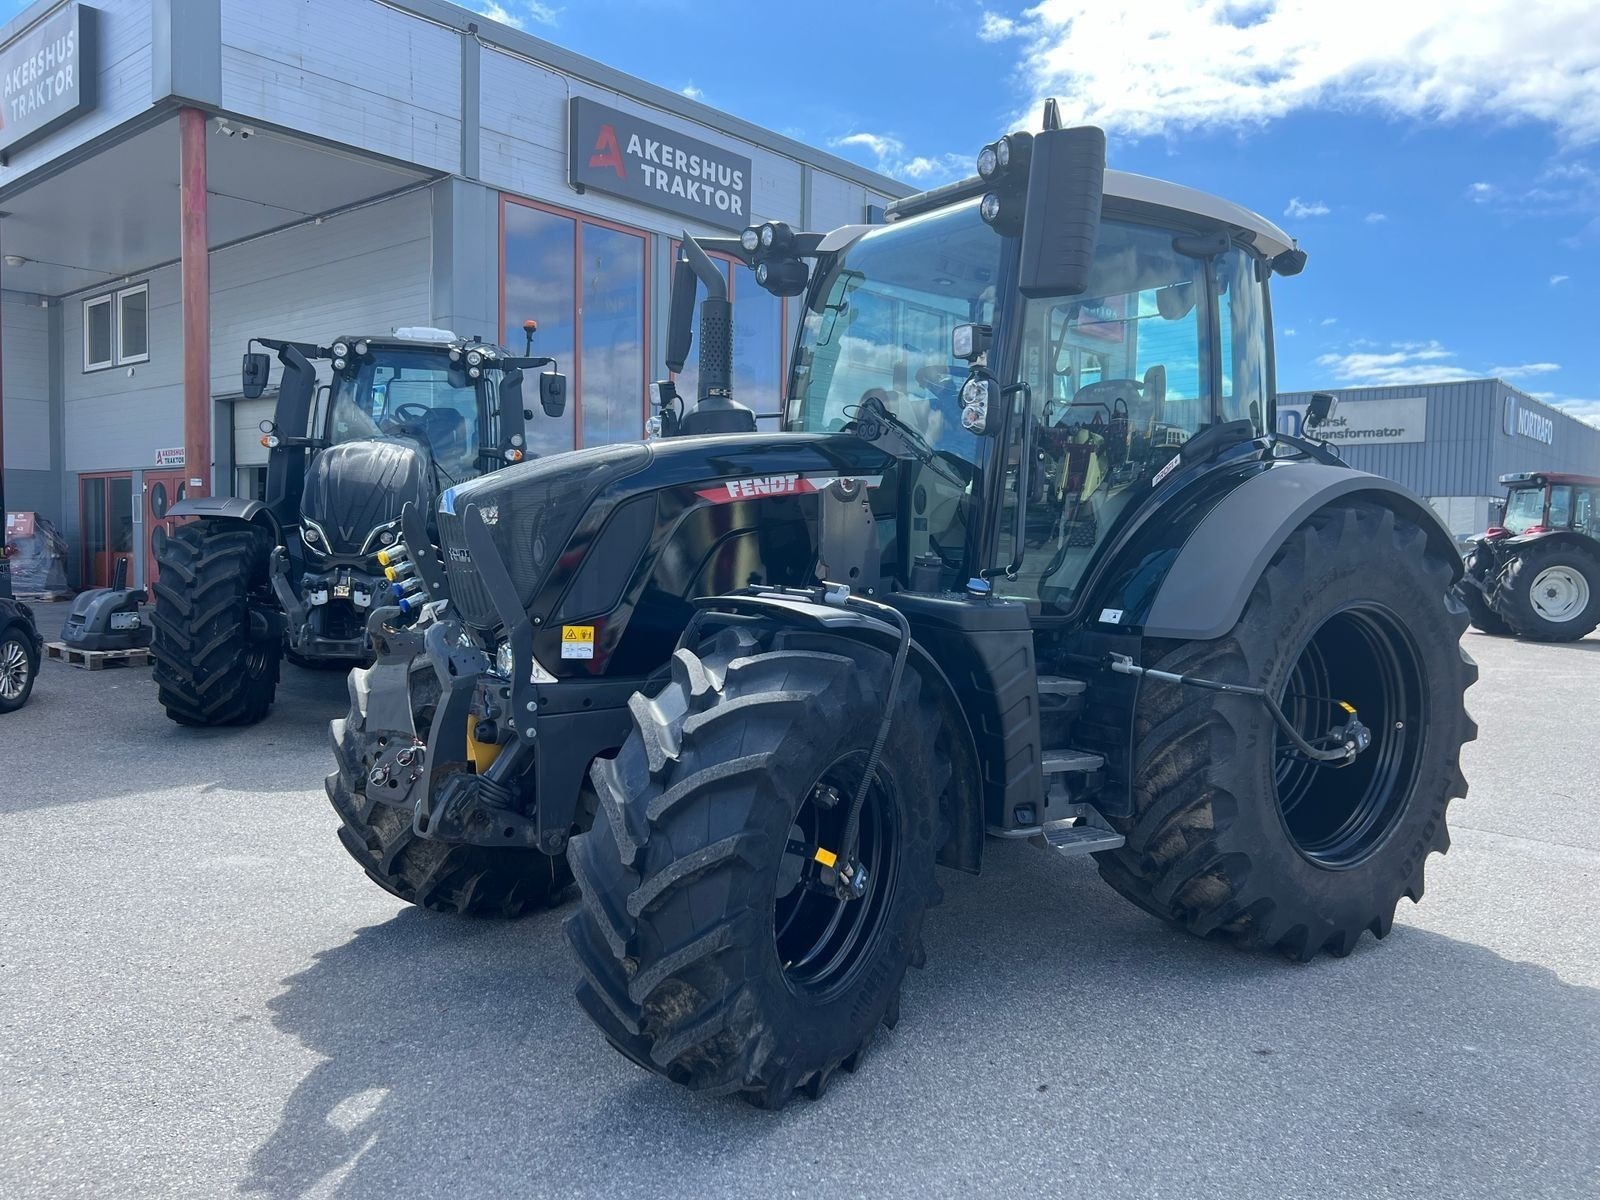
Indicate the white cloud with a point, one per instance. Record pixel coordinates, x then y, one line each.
1330 320
1525 369
1481 193
1306 208
1168 65
894 160
1374 218
691 91
1403 363
1584 409
518 13
1290 332
1555 279
996 28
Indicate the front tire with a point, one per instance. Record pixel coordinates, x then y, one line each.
1236 836
440 876
1479 611
711 952
213 664
1552 593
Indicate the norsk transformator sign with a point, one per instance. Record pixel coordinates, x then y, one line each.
613 151
47 75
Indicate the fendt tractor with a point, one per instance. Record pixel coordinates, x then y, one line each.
1027 560
1537 573
403 418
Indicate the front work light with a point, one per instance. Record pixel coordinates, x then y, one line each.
782 276
989 161
775 236
340 349
750 240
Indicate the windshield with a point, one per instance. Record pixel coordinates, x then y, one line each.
881 326
1524 509
409 393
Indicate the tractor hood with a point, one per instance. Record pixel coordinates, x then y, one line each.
354 488
546 516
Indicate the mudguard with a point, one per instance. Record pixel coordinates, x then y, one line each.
226 508
963 849
1204 591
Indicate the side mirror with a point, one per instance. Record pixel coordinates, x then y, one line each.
1066 182
257 370
553 393
1319 409
680 315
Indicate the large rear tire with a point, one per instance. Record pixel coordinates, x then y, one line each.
1551 593
1234 835
711 951
441 876
213 665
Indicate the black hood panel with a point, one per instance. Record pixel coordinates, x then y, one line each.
353 488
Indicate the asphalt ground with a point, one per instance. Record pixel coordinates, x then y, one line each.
201 995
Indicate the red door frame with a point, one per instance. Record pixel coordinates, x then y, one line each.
579 220
100 573
175 482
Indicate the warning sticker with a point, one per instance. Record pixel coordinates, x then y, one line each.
577 641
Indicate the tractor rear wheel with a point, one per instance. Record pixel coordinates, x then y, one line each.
713 947
214 663
1552 593
441 876
1235 834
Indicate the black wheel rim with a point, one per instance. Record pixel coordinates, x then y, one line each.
1338 817
823 942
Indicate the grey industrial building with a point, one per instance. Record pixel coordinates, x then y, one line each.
177 176
1451 442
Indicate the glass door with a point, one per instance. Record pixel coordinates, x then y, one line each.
161 491
106 519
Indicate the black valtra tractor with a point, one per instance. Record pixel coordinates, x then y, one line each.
1537 573
1026 561
404 418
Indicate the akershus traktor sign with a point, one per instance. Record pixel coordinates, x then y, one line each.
46 75
616 152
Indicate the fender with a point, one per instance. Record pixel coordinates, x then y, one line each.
229 508
1209 581
963 848
1555 537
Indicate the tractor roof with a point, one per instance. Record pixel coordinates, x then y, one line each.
1142 190
1540 478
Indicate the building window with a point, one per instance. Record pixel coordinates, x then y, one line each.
116 329
586 282
97 334
133 325
760 343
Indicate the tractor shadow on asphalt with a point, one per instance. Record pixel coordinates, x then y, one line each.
455 1059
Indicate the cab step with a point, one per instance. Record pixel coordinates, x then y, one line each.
1069 841
1060 685
1055 762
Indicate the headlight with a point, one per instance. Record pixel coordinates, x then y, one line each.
311 534
975 390
989 209
361 348
504 661
474 358
989 162
340 349
1002 152
338 364
750 239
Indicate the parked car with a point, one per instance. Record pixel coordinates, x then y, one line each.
20 650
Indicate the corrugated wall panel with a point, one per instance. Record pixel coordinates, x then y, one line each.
27 384
350 71
123 80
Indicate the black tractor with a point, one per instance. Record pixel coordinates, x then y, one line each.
1537 573
403 419
1026 561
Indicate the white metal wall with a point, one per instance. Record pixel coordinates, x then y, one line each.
27 383
350 71
363 271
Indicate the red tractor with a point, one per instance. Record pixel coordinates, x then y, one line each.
1537 573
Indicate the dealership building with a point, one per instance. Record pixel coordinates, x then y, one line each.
1451 442
178 176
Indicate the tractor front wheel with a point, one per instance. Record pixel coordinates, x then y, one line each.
215 663
1479 611
1552 594
1238 835
714 945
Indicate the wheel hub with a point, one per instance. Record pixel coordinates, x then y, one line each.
1559 594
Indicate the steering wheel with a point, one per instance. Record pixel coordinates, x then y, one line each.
411 411
938 380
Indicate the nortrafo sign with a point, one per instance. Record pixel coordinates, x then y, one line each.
46 76
613 151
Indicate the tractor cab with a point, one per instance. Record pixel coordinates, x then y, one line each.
1540 503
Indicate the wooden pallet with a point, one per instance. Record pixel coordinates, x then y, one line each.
95 660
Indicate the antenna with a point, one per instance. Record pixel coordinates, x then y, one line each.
1052 114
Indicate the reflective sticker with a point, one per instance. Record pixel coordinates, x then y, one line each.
760 487
826 857
1172 465
577 641
1111 616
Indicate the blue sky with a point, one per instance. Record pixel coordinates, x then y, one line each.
1438 159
